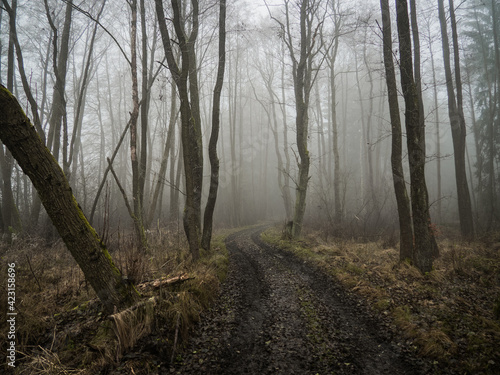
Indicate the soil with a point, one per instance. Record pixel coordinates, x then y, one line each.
279 314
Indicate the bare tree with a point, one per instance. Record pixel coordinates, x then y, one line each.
331 60
402 200
137 215
75 143
457 120
302 73
58 118
425 246
214 136
185 77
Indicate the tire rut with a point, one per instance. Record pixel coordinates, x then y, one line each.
279 314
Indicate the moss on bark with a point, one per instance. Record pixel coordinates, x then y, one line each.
20 136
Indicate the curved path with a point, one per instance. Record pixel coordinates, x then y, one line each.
279 315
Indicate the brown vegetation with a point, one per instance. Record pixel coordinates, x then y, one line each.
449 314
61 329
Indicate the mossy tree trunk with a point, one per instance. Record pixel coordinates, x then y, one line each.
21 138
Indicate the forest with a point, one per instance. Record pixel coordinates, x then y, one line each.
148 148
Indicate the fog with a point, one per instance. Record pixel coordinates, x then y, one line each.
257 145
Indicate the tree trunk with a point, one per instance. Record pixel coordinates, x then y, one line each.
134 116
335 134
191 135
368 140
11 220
286 172
457 122
214 136
76 142
22 73
60 62
416 55
438 138
402 201
146 96
19 135
302 82
35 212
160 182
234 171
425 247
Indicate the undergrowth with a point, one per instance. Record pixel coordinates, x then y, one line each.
60 328
450 315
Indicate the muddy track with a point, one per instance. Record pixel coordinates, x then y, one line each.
278 314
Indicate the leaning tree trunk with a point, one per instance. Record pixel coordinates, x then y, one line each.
21 138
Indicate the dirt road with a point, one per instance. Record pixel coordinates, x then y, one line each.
279 315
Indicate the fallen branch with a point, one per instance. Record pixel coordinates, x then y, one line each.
151 300
155 284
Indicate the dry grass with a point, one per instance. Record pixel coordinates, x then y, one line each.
450 314
60 329
47 363
132 324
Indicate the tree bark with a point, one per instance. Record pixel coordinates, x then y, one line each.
286 151
20 136
457 122
214 136
134 116
302 82
184 76
417 59
35 212
10 215
235 169
438 137
335 132
60 62
402 200
145 93
425 246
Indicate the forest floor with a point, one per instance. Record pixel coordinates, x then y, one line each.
450 316
280 315
266 306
